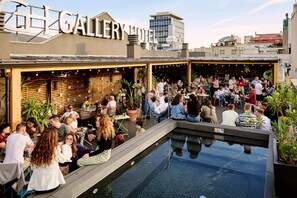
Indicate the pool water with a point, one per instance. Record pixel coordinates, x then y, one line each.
192 166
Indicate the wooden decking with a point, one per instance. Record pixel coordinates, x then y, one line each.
149 123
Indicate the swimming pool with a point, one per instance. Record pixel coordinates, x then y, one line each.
188 166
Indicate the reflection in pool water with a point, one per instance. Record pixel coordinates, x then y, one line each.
192 166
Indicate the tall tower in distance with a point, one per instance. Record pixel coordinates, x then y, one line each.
169 30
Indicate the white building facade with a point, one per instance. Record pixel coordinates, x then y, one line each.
169 30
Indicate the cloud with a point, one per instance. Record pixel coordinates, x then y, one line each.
267 4
223 21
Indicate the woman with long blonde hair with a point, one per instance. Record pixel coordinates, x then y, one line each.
45 159
105 134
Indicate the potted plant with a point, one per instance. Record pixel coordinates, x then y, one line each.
40 111
133 98
284 102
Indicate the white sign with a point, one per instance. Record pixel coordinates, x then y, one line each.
70 23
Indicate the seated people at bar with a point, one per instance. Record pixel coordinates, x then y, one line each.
220 95
45 159
236 95
139 128
263 122
32 127
68 112
105 134
63 130
179 85
209 113
230 117
177 108
4 133
269 90
77 152
71 123
87 103
269 112
247 119
201 90
111 106
162 106
164 115
193 90
194 108
161 99
16 144
227 93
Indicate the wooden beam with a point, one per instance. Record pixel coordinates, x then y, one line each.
189 74
231 63
51 68
275 73
169 63
15 97
149 76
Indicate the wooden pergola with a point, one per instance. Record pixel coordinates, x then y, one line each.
15 68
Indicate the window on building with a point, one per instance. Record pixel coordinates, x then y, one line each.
233 52
222 52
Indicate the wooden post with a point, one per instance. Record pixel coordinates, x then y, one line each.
149 76
189 73
275 73
15 97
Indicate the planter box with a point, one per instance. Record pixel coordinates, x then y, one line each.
285 177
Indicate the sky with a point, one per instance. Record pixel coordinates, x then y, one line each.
206 21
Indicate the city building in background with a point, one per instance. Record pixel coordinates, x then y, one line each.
227 46
169 30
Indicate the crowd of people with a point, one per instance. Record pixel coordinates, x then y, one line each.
59 149
197 102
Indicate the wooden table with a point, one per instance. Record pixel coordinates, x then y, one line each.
86 113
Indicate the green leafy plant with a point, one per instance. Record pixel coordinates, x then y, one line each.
133 98
268 75
246 68
284 102
39 111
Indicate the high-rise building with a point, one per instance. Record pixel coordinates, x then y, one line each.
169 30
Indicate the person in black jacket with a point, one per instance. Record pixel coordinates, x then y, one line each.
104 137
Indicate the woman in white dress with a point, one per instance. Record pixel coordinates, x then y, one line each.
45 159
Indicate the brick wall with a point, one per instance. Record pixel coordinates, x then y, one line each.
72 90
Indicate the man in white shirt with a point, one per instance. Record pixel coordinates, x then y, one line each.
259 89
161 86
161 99
230 117
162 107
232 82
263 121
17 142
68 112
